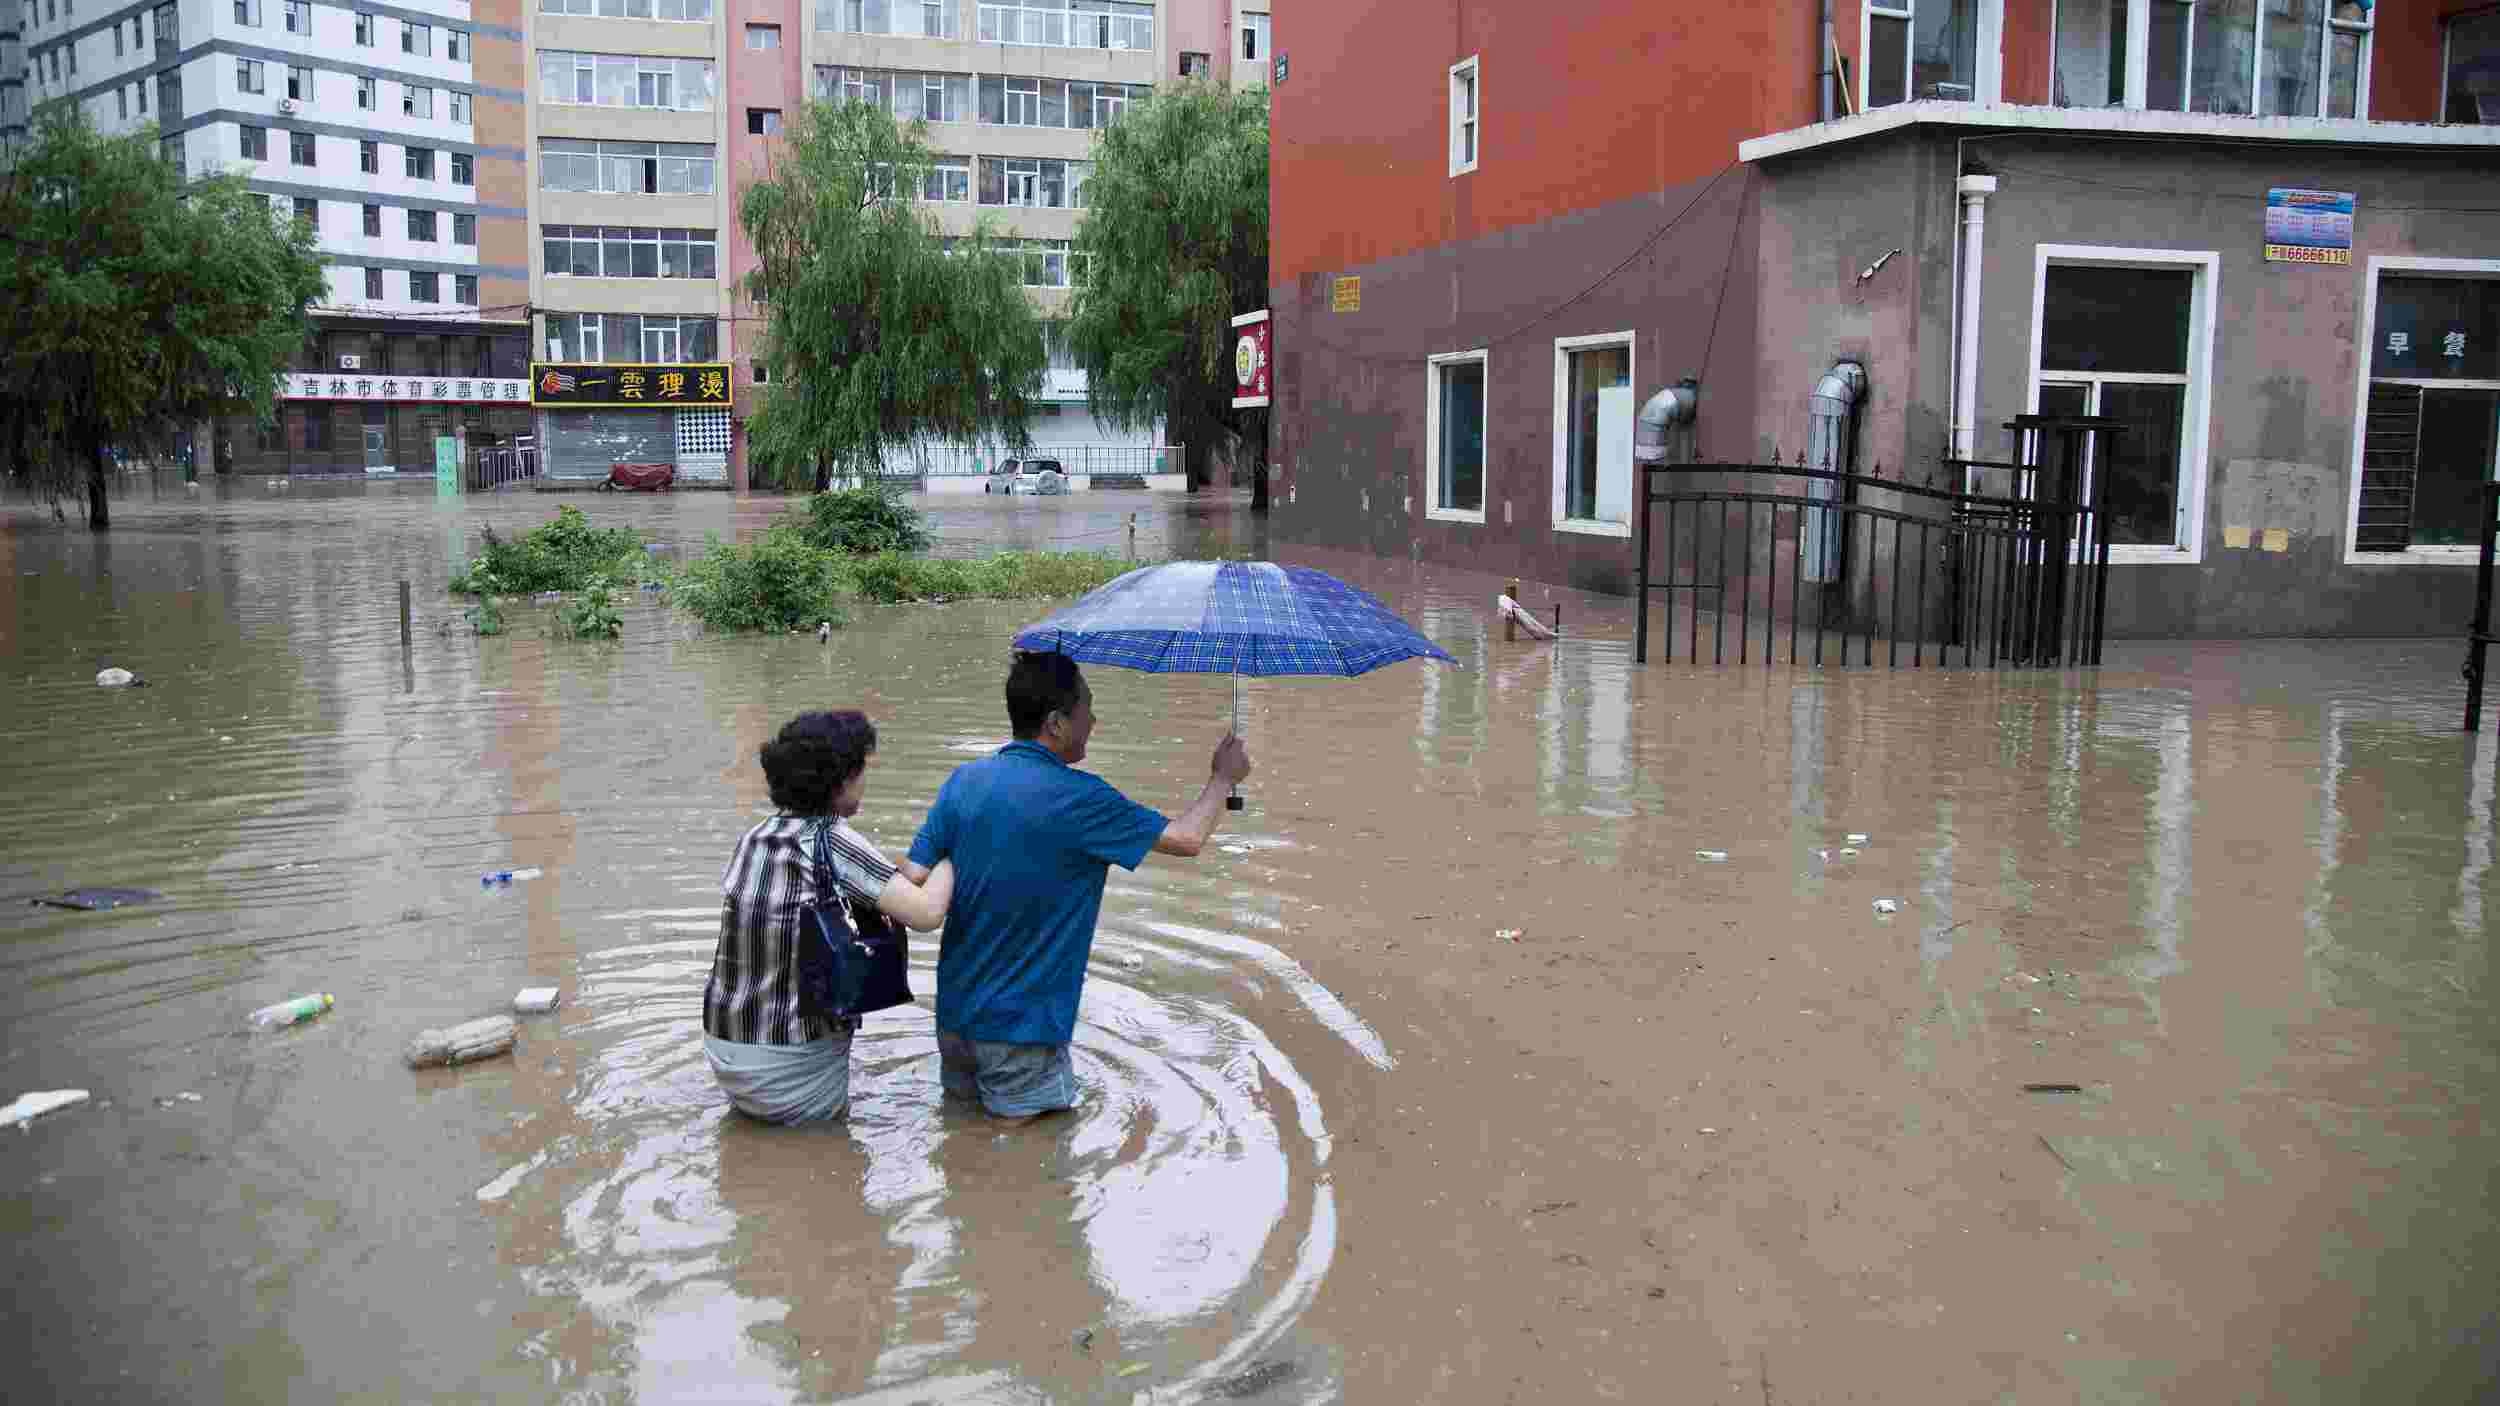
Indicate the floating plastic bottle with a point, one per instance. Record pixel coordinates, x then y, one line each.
289 1012
501 877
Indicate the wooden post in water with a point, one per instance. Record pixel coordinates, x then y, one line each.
1558 619
1132 536
1510 623
404 637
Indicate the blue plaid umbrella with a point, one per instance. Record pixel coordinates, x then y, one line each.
1231 617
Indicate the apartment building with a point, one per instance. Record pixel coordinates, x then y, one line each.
14 110
394 131
2256 233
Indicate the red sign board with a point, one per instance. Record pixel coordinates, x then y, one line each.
1252 364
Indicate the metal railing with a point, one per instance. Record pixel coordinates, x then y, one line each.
491 469
961 461
1792 551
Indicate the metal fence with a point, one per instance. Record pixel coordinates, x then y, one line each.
490 469
956 461
1790 559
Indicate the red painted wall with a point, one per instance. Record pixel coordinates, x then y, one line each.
1620 100
2405 58
2030 36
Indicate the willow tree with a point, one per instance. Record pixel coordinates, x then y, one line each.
879 329
1174 246
136 304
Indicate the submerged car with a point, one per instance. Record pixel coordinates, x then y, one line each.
1035 475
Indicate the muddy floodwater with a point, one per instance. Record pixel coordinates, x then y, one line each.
1454 1071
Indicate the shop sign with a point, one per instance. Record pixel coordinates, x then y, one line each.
2308 226
1251 362
1346 294
328 385
556 385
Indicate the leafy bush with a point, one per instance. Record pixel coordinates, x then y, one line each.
566 554
859 521
780 581
486 617
591 615
892 577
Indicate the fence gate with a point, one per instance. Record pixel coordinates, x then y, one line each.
1768 560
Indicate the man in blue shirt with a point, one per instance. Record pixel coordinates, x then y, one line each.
1033 840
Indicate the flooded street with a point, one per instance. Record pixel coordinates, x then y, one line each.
1450 1072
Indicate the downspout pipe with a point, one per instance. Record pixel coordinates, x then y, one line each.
1975 191
1830 46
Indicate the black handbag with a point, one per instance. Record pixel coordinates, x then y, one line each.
853 959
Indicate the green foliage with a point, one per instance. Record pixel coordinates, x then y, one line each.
891 577
778 582
878 332
1174 243
486 617
591 615
565 554
858 521
136 305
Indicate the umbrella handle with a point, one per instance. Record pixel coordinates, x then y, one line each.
1234 801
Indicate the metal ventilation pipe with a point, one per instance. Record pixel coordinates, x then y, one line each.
1673 406
1831 46
1829 412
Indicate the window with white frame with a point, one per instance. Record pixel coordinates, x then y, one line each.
1254 40
1593 434
1454 422
949 179
369 157
593 251
367 93
2472 69
1922 49
255 143
456 45
417 163
364 38
464 289
625 80
247 12
299 16
2278 58
693 10
2430 435
425 287
416 100
625 168
416 39
460 107
463 169
926 19
299 84
763 38
2127 335
1465 116
373 222
247 76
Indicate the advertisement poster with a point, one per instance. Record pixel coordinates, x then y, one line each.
1251 360
561 385
2308 226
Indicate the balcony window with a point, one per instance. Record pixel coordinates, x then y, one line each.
1922 49
924 19
2473 70
2269 58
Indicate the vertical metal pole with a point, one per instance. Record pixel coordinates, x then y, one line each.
1744 628
1558 619
1918 648
1796 582
1234 801
2482 614
1718 602
1640 612
1667 568
406 641
1692 632
2100 534
1822 611
1892 646
1866 651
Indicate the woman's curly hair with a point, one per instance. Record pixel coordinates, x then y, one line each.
815 756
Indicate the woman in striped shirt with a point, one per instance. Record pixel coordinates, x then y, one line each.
777 1062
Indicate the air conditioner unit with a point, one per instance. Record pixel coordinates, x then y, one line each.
350 363
286 105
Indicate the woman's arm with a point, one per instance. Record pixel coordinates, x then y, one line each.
921 906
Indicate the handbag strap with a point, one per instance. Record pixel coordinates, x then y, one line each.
828 891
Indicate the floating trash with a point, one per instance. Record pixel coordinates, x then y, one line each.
28 1107
1711 856
118 678
1887 905
94 900
535 1000
501 877
1857 839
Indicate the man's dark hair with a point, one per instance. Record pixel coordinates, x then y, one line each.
1040 683
815 756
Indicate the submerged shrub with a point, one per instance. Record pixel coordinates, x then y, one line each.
592 615
565 554
780 581
891 577
859 521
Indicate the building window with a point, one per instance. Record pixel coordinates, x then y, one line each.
308 212
2127 334
625 168
763 121
247 12
416 39
247 77
456 45
463 169
143 97
367 93
121 102
369 157
2473 69
421 226
1464 99
949 179
299 148
117 38
1254 31
464 229
255 143
1922 49
762 37
416 100
625 80
299 84
1454 436
417 163
696 10
317 417
593 251
1197 65
759 374
2299 58
1593 434
364 37
373 221
299 16
425 287
464 289
460 108
2430 438
923 19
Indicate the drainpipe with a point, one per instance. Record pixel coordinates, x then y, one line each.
1831 46
1975 191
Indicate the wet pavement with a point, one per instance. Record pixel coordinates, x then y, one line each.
1451 1072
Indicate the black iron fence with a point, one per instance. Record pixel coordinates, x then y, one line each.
1765 560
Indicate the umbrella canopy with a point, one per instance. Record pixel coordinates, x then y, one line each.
1231 617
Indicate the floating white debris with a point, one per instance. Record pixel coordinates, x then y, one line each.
29 1107
1887 905
1711 856
535 999
1857 839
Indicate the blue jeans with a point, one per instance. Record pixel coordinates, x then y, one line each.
1012 1081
